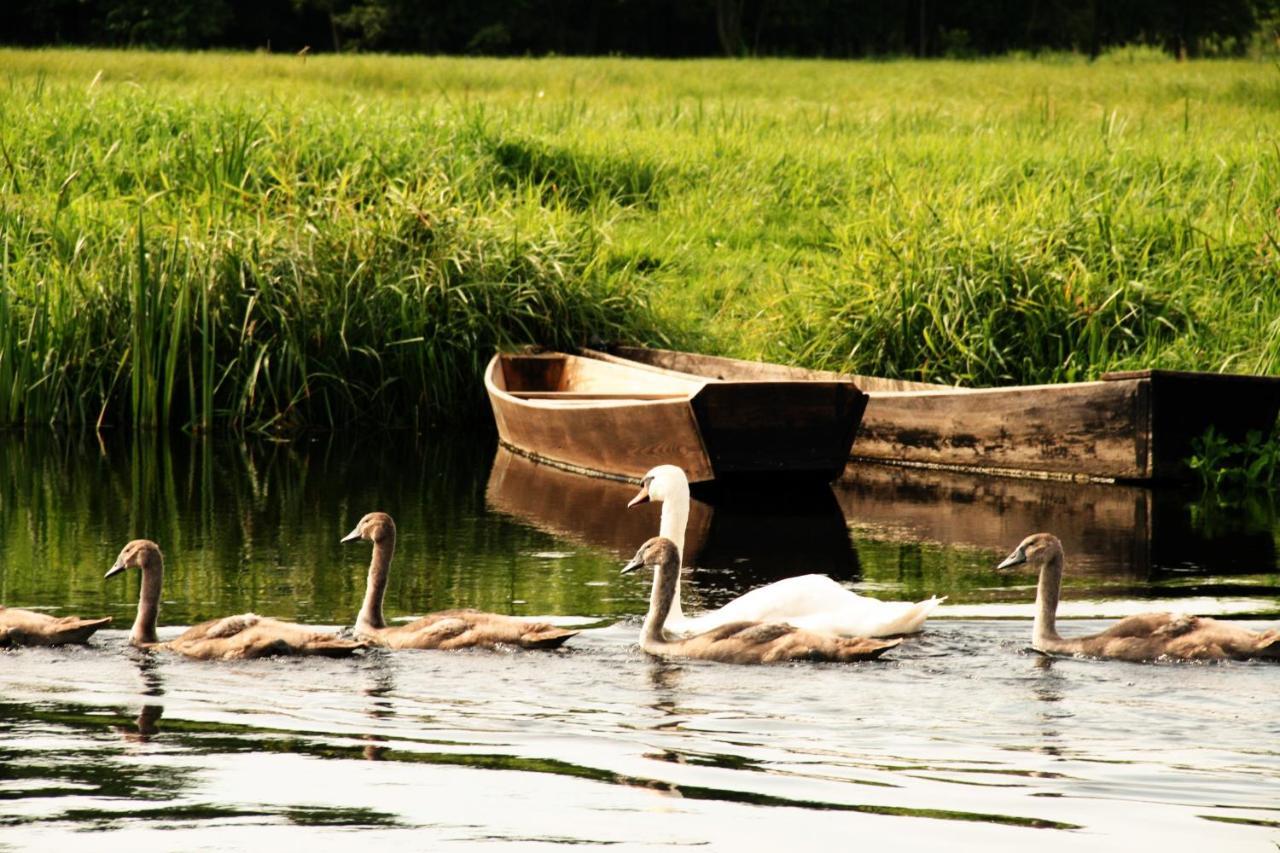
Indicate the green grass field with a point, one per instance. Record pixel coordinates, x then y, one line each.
270 242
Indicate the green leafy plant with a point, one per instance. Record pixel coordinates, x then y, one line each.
1223 465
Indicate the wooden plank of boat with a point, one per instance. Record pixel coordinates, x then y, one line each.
1136 425
620 437
616 418
597 395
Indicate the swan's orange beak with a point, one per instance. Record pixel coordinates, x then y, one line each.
643 496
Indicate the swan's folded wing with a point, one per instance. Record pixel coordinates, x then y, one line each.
1177 626
231 625
870 617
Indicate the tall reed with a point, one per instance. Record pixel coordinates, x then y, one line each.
347 240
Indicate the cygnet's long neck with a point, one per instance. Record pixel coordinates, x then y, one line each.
1045 628
379 569
144 624
666 581
675 518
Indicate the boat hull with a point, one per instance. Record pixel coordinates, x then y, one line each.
1129 426
595 416
1134 426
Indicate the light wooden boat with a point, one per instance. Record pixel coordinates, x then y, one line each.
1132 426
600 415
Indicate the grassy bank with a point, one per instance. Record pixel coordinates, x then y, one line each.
268 242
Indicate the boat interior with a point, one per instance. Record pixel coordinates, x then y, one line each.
733 369
557 376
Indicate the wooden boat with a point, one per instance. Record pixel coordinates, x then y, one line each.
599 415
1131 426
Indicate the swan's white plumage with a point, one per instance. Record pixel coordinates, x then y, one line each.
812 602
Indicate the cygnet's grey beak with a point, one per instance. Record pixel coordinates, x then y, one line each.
352 536
115 570
642 497
636 562
1017 557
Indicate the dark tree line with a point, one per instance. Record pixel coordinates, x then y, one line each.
835 28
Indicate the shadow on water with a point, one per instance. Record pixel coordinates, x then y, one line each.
255 526
101 737
755 535
86 771
1120 540
1136 531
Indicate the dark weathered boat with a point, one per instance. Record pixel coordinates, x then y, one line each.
606 416
1131 426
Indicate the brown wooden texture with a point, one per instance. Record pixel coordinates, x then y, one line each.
734 369
597 395
1133 425
561 373
614 437
1089 428
617 418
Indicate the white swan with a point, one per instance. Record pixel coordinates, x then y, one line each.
737 642
812 602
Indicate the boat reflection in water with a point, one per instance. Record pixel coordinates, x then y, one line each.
736 538
907 533
1112 529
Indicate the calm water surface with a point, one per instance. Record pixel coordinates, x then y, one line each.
963 738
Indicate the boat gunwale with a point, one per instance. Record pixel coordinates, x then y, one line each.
623 361
495 364
698 464
926 388
1156 430
513 435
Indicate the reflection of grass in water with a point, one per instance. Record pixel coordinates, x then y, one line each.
1244 821
209 504
221 738
696 793
920 569
184 816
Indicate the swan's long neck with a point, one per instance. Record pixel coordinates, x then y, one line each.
666 581
1045 629
144 624
379 568
675 519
